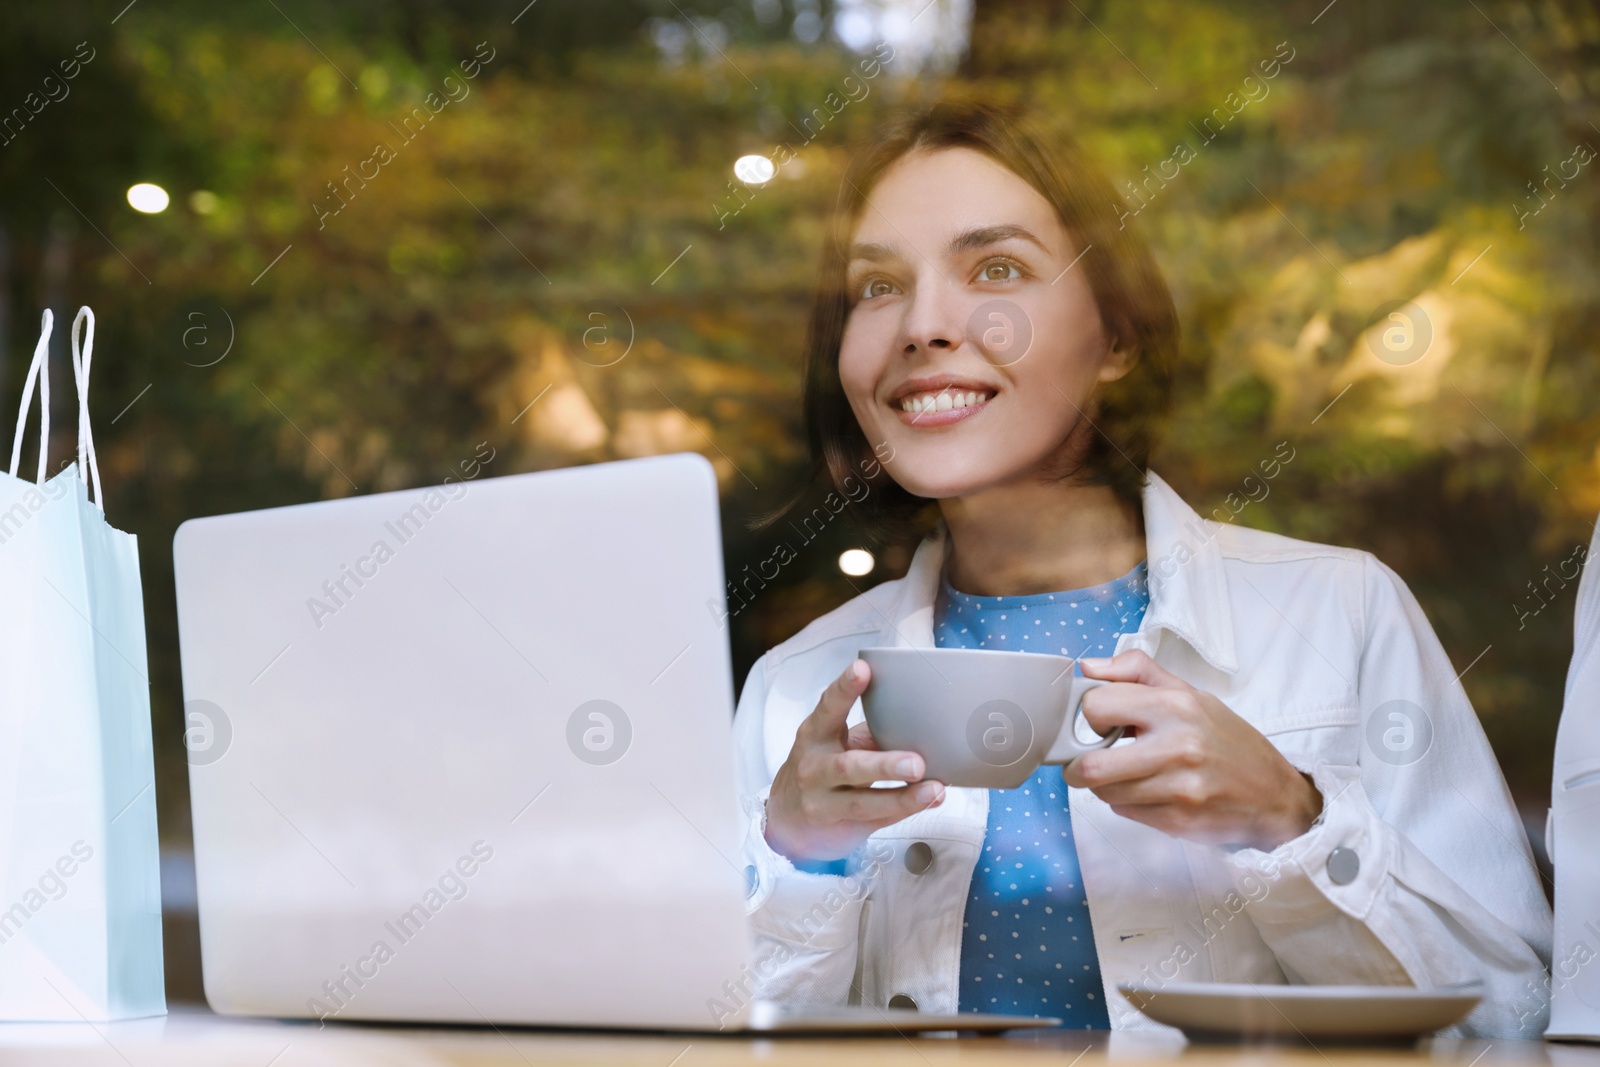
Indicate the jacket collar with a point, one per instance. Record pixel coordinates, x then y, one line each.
1188 587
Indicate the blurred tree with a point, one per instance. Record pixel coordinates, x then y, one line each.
355 284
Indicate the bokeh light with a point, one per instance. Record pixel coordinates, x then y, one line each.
856 562
754 170
148 198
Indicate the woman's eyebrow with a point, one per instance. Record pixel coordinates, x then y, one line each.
872 252
984 236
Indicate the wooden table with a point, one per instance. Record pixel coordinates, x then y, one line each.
193 1036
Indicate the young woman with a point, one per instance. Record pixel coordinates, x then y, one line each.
1307 796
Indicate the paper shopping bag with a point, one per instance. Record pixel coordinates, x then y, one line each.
80 890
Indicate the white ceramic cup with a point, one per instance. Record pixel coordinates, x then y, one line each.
979 717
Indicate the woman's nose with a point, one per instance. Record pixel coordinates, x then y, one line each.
933 317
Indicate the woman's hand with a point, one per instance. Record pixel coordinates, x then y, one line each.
1196 770
821 805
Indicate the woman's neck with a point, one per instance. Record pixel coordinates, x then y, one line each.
1018 540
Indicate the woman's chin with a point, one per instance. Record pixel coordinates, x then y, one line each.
938 487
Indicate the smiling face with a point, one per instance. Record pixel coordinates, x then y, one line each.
973 346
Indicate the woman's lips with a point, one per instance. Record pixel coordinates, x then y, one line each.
939 415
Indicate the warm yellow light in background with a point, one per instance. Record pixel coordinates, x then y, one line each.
856 562
150 199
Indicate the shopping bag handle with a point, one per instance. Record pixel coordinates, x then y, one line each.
40 369
88 463
82 357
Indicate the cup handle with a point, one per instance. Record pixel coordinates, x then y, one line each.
1066 746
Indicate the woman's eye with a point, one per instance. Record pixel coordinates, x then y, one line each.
874 287
1000 271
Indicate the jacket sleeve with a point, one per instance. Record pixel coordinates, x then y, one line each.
804 926
1435 882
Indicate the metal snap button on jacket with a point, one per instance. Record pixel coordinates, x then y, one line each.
900 1000
919 857
1343 865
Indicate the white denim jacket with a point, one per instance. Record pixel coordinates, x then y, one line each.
1322 649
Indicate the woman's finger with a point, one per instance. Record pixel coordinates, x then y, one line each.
1135 665
825 724
1102 767
885 807
861 768
1179 785
1155 791
1129 704
860 737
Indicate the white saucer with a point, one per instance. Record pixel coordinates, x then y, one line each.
1338 1012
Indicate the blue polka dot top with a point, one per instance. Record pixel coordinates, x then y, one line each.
1026 945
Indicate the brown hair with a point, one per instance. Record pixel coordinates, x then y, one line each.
1127 416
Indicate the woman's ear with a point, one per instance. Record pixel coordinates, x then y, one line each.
1119 360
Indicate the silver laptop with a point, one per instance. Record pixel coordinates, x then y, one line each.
463 754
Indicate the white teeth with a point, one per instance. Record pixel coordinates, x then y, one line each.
943 401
